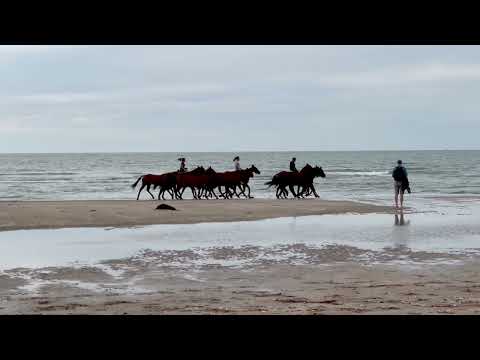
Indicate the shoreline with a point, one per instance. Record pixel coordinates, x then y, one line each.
25 215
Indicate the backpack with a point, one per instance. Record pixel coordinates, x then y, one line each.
398 174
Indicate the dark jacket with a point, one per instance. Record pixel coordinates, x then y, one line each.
404 180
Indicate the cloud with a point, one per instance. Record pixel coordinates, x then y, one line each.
209 98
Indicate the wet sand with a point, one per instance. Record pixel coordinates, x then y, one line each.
15 215
346 288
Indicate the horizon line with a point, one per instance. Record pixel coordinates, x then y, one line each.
226 152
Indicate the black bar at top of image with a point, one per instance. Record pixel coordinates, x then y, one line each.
162 25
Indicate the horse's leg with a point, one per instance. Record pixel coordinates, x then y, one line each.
249 192
228 191
181 193
300 193
211 193
242 189
314 191
160 193
163 193
309 191
193 192
148 190
140 190
277 194
224 194
292 190
235 191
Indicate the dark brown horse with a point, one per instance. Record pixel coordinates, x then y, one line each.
168 183
164 181
230 180
303 179
244 178
195 180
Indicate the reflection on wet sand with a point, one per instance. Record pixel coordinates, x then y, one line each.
400 235
400 220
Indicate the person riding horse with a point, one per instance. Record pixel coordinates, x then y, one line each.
236 163
292 165
182 165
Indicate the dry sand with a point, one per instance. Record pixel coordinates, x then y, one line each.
16 215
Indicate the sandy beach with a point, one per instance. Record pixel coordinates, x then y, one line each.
276 289
209 263
15 215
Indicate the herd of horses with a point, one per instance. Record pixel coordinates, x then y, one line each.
203 183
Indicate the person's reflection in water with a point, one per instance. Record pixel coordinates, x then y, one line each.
401 221
401 233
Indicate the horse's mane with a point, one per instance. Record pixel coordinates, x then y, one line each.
306 167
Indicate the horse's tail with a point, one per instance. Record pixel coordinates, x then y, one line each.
270 184
136 182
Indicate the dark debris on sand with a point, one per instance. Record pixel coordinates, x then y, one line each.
165 207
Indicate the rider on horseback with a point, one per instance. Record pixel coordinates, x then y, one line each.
292 165
236 163
182 165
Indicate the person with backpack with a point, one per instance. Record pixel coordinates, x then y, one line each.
400 182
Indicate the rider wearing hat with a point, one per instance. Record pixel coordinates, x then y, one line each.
236 163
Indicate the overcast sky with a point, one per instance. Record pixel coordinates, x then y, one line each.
238 98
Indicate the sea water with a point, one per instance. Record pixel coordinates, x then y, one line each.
362 175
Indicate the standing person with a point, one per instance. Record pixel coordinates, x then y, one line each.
183 167
292 165
236 163
400 182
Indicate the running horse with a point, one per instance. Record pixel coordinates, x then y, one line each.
303 179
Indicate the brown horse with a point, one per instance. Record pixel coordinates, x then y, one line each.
195 180
303 179
164 181
168 183
244 177
230 180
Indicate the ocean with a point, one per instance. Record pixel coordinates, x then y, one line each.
362 175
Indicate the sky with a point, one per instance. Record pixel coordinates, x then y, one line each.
238 98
